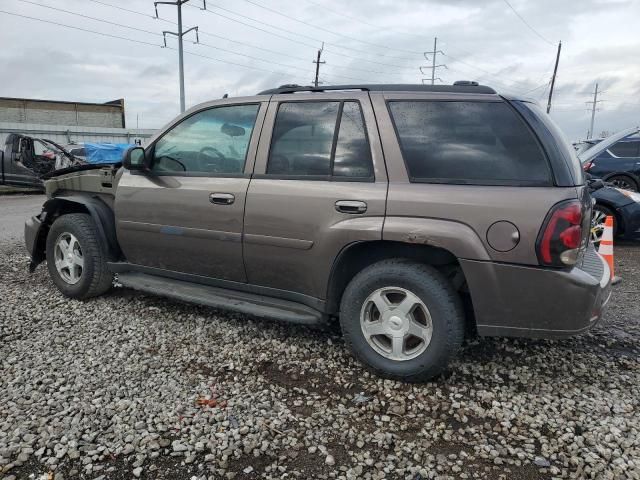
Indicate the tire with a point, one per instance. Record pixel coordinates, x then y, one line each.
93 278
597 222
624 181
443 305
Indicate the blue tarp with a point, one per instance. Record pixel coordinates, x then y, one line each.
105 152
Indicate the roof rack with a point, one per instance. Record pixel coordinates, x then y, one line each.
461 86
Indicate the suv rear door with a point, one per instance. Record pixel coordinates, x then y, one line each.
185 215
319 185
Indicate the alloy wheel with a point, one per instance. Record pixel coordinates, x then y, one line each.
68 258
396 323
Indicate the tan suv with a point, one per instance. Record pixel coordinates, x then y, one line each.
412 213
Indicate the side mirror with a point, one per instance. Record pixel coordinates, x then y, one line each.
135 159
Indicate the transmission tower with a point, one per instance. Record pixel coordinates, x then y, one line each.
180 33
433 65
594 104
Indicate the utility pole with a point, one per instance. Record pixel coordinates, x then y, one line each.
180 33
553 78
433 65
593 110
318 62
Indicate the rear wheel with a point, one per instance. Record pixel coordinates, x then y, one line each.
76 262
624 182
402 319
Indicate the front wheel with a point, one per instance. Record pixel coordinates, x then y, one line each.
402 319
76 262
598 219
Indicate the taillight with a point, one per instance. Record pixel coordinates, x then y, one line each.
586 166
561 236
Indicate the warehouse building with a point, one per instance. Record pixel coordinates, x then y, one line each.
50 112
68 122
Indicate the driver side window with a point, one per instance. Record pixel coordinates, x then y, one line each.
213 141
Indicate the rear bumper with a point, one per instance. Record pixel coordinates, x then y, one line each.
523 301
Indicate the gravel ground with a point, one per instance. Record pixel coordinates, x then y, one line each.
128 386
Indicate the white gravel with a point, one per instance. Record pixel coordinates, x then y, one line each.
132 386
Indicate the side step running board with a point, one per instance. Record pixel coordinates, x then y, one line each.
249 303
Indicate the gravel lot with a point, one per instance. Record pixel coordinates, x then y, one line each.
128 386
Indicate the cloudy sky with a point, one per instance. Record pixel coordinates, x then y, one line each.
249 45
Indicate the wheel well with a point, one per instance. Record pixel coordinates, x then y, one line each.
53 209
617 217
99 211
628 175
355 257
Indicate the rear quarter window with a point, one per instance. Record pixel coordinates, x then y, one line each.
483 143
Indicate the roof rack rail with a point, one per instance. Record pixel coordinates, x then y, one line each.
293 88
460 86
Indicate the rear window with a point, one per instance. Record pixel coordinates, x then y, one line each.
326 140
482 143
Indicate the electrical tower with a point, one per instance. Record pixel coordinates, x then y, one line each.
433 65
180 33
594 104
318 62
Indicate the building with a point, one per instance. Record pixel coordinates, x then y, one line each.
52 112
68 122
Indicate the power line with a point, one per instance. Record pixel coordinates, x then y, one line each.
128 10
272 10
90 18
315 40
527 24
395 66
372 25
212 35
142 42
200 43
82 29
535 88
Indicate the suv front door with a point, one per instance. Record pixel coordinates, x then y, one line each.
186 214
319 185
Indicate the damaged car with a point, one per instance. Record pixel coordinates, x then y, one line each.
410 214
28 161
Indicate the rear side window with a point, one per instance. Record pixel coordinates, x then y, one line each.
482 143
320 139
626 149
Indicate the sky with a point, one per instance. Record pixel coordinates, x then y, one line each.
250 45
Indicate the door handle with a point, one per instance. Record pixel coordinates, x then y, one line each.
222 198
351 206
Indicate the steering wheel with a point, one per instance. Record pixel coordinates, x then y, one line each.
205 164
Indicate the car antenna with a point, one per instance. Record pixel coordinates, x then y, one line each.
226 95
